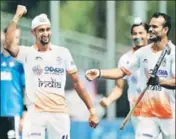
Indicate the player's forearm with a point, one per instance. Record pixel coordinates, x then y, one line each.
10 36
112 74
115 94
168 83
78 86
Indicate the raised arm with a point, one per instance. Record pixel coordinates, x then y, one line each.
10 46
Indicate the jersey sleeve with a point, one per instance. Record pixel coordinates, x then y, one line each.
122 63
69 63
134 63
21 57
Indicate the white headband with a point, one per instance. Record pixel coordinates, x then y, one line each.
137 21
41 19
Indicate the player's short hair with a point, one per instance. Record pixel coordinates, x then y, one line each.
145 25
167 19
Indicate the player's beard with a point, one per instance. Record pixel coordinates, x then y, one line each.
154 38
45 42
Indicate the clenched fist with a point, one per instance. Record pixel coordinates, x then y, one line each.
92 74
93 121
20 11
104 102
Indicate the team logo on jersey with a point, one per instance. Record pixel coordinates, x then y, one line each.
49 83
38 58
160 73
3 64
11 64
127 62
37 70
53 70
145 61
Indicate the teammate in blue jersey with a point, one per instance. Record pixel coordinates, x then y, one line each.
12 92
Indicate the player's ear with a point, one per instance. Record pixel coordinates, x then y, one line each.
166 29
33 32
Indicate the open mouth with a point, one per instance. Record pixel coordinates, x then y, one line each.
45 38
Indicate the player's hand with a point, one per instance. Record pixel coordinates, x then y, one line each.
153 80
104 102
21 10
93 121
92 74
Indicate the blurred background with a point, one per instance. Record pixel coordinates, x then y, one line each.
97 33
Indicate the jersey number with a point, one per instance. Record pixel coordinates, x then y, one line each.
156 87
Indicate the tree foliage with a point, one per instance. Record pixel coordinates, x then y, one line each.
34 7
153 6
89 17
77 16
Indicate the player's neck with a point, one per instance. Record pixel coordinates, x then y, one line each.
42 48
158 46
136 48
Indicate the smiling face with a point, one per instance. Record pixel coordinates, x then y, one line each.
43 34
157 31
139 36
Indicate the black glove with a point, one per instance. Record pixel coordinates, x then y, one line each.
153 80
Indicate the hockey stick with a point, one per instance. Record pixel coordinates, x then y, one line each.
153 74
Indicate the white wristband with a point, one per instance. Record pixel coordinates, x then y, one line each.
92 111
15 19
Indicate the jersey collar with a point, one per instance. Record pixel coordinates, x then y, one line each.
37 48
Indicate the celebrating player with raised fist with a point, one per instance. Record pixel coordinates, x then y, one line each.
46 66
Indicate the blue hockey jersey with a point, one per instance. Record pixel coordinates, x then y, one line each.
12 87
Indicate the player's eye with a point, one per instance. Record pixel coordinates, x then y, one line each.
48 29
